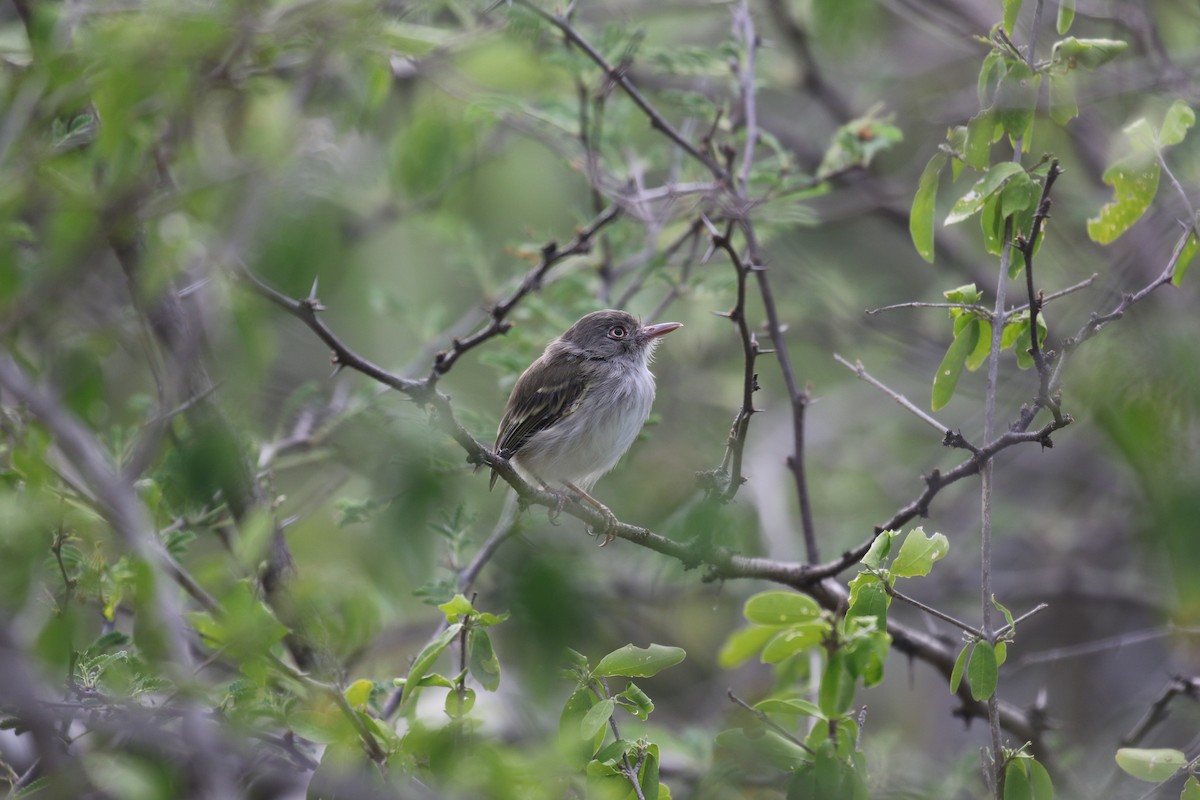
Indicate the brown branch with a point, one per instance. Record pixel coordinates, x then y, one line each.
1027 247
731 464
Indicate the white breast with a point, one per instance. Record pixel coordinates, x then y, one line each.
589 442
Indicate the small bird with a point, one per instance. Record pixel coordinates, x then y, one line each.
576 410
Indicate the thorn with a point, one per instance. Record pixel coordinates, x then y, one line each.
722 314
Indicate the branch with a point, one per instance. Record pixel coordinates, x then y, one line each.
620 78
497 324
1027 248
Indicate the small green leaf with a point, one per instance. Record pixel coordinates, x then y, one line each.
648 777
918 553
743 644
1001 653
359 692
638 662
946 379
1018 194
635 701
1191 789
424 660
1012 9
991 72
977 149
920 221
1039 779
1016 98
960 665
459 705
983 348
1185 259
1135 181
1179 119
1063 105
1066 15
596 718
992 181
837 687
794 639
780 608
1153 766
991 222
1070 53
481 660
1016 781
1008 617
878 552
982 672
793 705
457 607
967 293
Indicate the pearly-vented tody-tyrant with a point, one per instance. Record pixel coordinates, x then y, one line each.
576 410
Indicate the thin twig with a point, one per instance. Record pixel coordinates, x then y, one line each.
985 313
770 723
858 369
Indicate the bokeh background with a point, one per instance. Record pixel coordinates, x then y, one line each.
412 160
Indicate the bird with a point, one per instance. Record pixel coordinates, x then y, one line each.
575 410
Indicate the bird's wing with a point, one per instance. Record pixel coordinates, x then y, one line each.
544 394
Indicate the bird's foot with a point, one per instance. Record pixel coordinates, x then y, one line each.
610 519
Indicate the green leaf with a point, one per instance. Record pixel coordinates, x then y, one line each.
1179 119
1070 53
868 598
635 701
743 644
780 608
794 639
991 222
977 149
1001 653
1066 15
1008 617
1018 194
1063 105
960 665
946 379
359 692
1016 98
918 553
878 552
1153 766
920 220
1012 9
983 348
1016 781
425 659
637 662
1135 181
992 181
458 606
1039 780
481 659
991 72
1191 789
577 752
837 687
1185 259
793 705
648 777
982 671
967 293
596 718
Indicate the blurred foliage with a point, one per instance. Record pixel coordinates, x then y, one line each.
408 164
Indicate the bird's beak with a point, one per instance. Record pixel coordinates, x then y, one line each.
659 329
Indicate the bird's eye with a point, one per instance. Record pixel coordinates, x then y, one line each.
617 332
